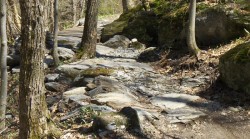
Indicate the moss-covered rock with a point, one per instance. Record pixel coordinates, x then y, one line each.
165 23
234 67
94 72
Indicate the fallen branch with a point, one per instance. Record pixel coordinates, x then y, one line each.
3 130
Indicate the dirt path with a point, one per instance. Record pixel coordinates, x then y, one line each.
166 106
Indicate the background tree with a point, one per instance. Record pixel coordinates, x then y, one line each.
55 50
4 74
191 42
74 11
125 5
32 105
89 38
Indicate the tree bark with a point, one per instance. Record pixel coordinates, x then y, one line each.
125 5
33 113
191 42
89 38
14 10
74 10
4 74
55 50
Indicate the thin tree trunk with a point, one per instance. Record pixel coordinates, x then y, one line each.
89 38
191 42
33 113
74 10
4 74
55 50
125 5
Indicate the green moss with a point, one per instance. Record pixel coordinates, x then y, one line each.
96 72
239 54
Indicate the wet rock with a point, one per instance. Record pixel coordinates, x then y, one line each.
54 86
117 41
173 100
51 77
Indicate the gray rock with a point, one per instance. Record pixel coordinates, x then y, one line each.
13 60
234 68
149 55
15 70
81 81
54 86
173 100
183 115
65 53
71 70
105 109
117 41
90 86
48 60
64 79
51 77
109 121
76 95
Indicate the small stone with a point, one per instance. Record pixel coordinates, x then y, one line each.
54 86
90 86
234 109
15 70
51 77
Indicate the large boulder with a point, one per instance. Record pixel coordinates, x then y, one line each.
165 24
234 67
117 41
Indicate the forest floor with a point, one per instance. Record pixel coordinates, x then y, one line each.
177 97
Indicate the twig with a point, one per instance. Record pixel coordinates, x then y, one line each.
3 130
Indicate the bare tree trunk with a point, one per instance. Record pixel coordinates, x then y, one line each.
33 113
74 10
55 51
89 38
14 10
191 42
125 5
82 8
4 74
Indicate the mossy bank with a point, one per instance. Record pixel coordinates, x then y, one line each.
165 23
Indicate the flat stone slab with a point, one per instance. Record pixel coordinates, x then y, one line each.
173 100
116 100
183 115
77 95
